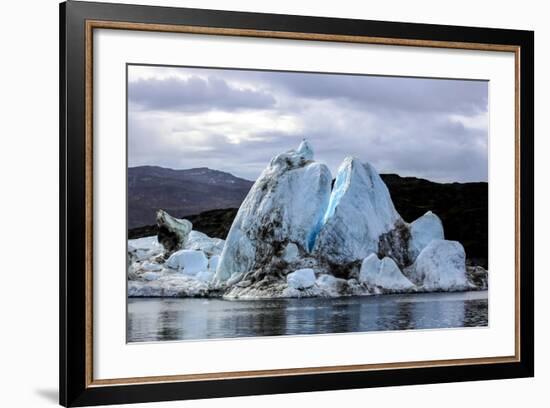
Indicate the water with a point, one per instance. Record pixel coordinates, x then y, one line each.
192 319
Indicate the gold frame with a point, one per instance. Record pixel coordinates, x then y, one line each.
99 24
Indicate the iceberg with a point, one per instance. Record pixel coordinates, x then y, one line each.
285 205
441 265
205 276
301 279
144 248
305 150
391 279
151 266
423 231
201 242
213 263
331 286
290 253
370 267
360 211
173 232
151 276
383 276
296 235
188 261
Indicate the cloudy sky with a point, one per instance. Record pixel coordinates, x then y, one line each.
235 121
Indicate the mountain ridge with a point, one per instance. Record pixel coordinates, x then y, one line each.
180 192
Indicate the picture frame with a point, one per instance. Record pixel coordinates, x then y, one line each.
79 20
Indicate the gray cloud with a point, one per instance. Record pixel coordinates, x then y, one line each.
391 93
195 93
430 128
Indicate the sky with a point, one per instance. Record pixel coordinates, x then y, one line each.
237 120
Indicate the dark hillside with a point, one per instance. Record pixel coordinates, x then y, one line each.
462 207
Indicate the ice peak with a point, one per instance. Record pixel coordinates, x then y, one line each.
352 164
351 168
292 159
349 161
359 212
305 150
424 230
285 205
340 186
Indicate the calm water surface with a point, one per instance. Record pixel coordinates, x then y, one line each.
191 319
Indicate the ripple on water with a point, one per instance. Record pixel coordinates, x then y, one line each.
195 319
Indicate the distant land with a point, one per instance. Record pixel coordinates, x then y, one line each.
210 199
180 192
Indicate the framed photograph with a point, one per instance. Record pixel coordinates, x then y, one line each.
256 203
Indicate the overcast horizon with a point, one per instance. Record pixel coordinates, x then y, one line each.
236 121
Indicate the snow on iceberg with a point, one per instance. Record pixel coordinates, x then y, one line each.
188 261
285 205
441 265
423 231
359 212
